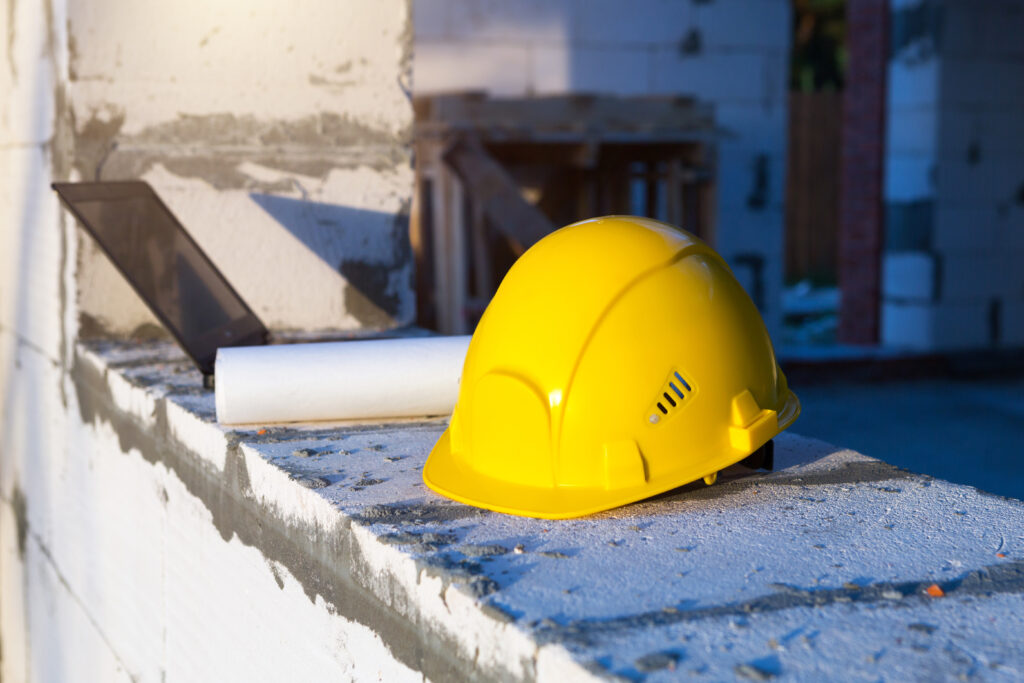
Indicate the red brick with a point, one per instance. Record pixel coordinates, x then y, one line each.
863 144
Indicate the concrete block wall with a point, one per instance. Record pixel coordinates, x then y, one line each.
280 136
314 552
732 53
277 133
955 175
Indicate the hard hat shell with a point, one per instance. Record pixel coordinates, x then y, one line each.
619 358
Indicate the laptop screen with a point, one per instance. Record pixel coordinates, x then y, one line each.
165 266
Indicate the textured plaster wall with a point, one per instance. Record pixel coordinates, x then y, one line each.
955 176
279 134
732 53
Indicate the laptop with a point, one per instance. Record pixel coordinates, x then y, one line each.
166 267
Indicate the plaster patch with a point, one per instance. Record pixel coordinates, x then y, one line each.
12 35
94 141
20 508
211 147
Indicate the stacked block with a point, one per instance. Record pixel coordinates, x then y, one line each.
732 53
955 176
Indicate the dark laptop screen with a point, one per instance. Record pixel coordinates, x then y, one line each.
165 266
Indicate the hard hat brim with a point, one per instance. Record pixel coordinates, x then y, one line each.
448 476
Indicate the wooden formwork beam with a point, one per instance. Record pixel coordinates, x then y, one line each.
498 194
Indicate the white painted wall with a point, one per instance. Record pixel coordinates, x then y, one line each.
956 146
637 48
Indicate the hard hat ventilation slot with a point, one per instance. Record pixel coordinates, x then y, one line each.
673 395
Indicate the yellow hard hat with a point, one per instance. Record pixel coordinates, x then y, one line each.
619 358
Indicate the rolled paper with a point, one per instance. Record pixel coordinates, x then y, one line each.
381 378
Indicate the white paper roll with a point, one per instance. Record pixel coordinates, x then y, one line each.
339 380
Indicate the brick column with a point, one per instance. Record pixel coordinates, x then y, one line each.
861 226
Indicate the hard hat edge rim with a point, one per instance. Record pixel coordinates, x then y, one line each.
788 412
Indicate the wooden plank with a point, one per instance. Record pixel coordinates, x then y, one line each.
812 191
567 117
705 211
450 267
457 263
488 183
442 247
421 236
483 277
674 193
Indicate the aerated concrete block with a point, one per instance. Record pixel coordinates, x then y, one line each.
980 133
937 326
1000 27
754 125
31 74
644 22
538 21
750 178
717 76
35 251
993 182
966 227
909 177
974 274
906 324
909 276
500 69
970 81
333 137
1013 322
744 24
430 20
371 576
615 70
912 131
1010 231
962 35
965 325
913 84
66 641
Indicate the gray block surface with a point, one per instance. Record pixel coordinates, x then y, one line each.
819 570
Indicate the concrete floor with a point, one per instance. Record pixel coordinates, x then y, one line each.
969 432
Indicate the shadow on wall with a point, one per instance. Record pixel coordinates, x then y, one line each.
379 273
